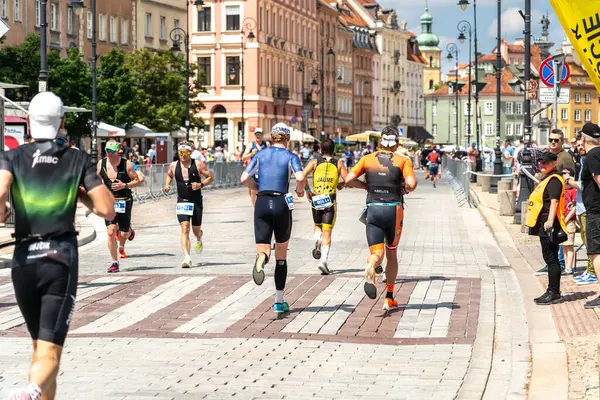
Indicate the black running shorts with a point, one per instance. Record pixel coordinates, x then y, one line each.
592 233
123 219
272 216
325 218
196 218
45 283
384 226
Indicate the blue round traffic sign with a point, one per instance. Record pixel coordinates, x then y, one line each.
547 72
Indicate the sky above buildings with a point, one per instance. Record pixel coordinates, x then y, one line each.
447 14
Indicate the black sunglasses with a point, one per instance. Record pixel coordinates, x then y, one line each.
554 140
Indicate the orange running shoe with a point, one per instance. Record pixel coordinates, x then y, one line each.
389 304
118 235
122 252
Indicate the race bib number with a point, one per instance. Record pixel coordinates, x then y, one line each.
120 206
185 209
322 201
289 199
363 216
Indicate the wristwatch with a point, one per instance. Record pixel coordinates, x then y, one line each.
567 180
126 185
201 185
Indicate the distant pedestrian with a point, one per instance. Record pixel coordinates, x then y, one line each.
557 140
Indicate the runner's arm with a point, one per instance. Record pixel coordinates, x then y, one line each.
169 177
357 171
6 179
343 173
410 180
250 170
94 194
307 170
132 175
205 172
296 166
247 153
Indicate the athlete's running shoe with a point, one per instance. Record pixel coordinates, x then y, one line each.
316 253
258 271
114 267
187 263
281 307
389 304
370 280
131 234
434 184
122 252
199 246
587 279
19 394
324 268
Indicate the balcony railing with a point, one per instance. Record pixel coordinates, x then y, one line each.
281 94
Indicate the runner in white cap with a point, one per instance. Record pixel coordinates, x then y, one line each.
190 177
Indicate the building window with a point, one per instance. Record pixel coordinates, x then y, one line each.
204 65
489 108
577 97
102 27
163 28
233 70
148 30
112 29
53 17
518 129
577 115
4 11
89 24
434 130
260 18
233 18
564 114
588 98
588 115
489 129
18 10
69 20
509 129
176 23
204 20
519 108
434 109
124 31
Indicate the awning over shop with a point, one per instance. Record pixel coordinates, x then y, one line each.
300 136
363 137
106 130
14 120
418 133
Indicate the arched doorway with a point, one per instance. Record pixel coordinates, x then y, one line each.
221 124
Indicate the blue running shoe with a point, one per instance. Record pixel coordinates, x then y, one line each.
580 277
587 280
280 308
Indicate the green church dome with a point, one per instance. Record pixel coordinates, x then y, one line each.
427 39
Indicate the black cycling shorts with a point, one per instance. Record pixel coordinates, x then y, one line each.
384 226
45 283
434 169
325 218
196 218
123 219
272 216
592 233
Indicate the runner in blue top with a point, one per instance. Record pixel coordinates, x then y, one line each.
274 205
250 151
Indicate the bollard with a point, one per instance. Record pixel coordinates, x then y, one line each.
506 202
505 185
524 228
486 183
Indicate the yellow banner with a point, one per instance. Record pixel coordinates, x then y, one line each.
580 20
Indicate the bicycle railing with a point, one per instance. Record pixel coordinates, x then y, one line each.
458 174
225 174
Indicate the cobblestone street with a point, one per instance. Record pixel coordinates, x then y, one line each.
157 331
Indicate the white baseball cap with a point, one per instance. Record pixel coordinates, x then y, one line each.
46 112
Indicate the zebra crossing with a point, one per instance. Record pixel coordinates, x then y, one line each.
333 308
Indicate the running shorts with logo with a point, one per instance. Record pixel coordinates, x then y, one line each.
123 214
434 169
196 217
325 180
122 219
45 283
185 193
272 215
385 176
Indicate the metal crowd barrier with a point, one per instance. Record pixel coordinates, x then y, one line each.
459 177
225 174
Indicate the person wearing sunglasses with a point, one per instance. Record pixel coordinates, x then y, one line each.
190 177
118 175
564 159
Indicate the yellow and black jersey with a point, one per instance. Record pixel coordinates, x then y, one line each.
326 176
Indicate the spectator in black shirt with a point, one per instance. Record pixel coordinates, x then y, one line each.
590 179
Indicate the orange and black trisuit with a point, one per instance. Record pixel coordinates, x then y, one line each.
385 175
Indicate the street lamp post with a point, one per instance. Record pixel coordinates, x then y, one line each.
325 42
80 6
362 85
453 52
465 27
43 77
463 5
248 24
498 152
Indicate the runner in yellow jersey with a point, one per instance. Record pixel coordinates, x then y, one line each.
326 171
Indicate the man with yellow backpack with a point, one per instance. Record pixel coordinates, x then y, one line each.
326 171
546 219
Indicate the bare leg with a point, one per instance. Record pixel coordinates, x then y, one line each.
123 238
391 267
112 242
185 238
326 238
44 367
197 232
264 248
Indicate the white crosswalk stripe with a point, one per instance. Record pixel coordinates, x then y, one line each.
230 310
145 305
12 317
6 290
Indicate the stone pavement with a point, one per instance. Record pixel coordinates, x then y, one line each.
155 330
